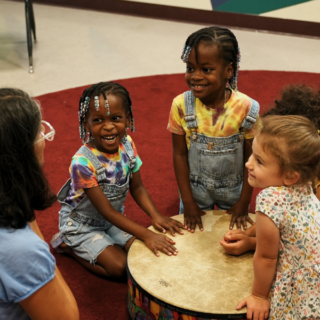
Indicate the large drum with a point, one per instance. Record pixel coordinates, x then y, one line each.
201 282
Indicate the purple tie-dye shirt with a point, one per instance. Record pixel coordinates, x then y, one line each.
82 171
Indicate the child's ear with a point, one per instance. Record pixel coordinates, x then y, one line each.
291 178
229 70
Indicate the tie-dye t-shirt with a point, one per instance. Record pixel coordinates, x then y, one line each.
82 171
222 122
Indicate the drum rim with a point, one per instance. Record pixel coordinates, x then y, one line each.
182 310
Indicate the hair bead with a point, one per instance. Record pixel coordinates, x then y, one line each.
185 53
107 107
96 103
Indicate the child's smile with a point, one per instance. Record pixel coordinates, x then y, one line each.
107 131
208 76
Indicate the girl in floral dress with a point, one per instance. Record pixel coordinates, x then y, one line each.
286 156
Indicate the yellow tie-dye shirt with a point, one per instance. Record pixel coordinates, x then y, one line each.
222 122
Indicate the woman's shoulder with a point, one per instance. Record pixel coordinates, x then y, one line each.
28 263
21 242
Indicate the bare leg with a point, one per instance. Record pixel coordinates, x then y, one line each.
111 262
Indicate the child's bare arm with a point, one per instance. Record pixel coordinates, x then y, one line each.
192 212
266 256
264 264
152 240
140 194
240 209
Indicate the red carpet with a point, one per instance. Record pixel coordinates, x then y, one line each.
152 96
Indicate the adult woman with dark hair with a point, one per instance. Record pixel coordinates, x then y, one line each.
31 287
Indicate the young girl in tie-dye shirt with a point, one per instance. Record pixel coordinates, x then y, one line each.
93 228
212 128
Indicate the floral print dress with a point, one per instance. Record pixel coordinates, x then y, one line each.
295 210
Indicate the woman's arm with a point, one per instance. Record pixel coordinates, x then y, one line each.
192 212
240 209
35 228
52 301
152 240
56 285
141 196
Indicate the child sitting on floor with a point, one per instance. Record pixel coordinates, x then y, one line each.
103 170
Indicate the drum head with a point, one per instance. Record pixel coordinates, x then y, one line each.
202 278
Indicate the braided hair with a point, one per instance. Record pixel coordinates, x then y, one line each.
96 90
227 44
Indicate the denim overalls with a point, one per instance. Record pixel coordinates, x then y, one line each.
216 164
82 227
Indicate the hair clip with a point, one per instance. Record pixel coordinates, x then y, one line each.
96 103
107 108
185 55
184 48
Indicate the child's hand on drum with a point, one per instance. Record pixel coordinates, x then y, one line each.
160 242
192 217
257 308
237 242
239 216
162 224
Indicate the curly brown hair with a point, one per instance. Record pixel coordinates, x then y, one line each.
299 100
295 142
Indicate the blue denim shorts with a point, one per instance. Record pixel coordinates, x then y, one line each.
223 198
88 241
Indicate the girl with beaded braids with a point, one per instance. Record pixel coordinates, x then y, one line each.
93 228
212 128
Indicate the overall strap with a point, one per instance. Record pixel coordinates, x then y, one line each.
128 147
100 171
190 105
252 116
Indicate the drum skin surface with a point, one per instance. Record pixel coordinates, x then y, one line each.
200 282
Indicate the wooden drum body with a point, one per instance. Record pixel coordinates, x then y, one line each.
202 282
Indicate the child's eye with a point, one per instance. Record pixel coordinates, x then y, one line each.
206 70
116 118
96 120
258 160
189 69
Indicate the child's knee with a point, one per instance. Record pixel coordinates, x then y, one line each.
118 268
114 261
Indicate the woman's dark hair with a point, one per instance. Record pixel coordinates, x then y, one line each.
23 186
298 100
